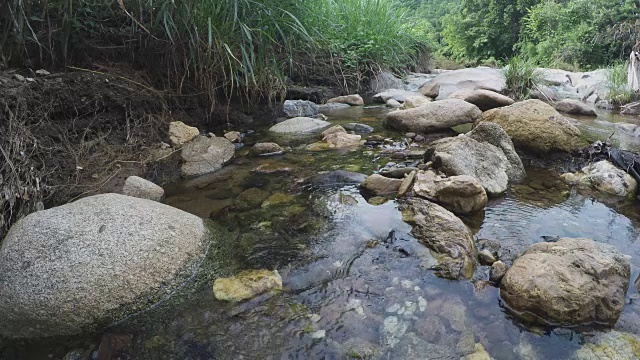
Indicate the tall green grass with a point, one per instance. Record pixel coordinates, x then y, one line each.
521 77
619 91
235 46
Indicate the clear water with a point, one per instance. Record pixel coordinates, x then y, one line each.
348 294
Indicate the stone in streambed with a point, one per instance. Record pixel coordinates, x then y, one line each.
299 125
493 134
380 185
359 128
461 194
575 107
605 177
246 285
612 345
205 155
144 189
180 133
266 149
250 199
433 117
497 271
337 178
483 99
430 89
298 108
353 100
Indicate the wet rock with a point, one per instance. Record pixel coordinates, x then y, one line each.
327 108
333 130
353 100
486 257
605 177
342 140
42 72
115 346
444 234
612 345
461 194
360 349
385 81
569 282
300 108
414 101
266 149
359 128
393 103
494 134
397 172
19 78
479 354
250 199
407 183
205 155
336 179
498 269
483 99
381 185
575 107
278 199
299 125
75 354
536 126
180 133
393 329
433 117
630 109
470 78
544 93
233 136
395 94
430 89
463 155
410 346
122 253
246 285
141 188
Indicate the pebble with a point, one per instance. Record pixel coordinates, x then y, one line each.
422 304
19 77
486 257
320 334
42 72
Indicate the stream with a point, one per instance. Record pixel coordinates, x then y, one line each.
356 283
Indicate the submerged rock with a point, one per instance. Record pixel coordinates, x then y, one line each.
299 125
445 234
568 282
205 155
605 177
359 128
299 108
463 155
434 116
337 178
483 99
143 189
576 107
536 126
85 265
612 345
380 185
341 140
479 354
461 194
329 107
353 100
250 199
246 285
180 133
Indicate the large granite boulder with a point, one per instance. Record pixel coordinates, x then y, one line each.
141 188
204 155
483 99
297 108
470 78
605 177
568 282
445 234
85 265
337 179
434 116
575 107
299 125
380 185
494 134
463 155
461 194
430 89
536 126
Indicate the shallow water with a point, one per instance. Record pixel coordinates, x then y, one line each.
348 292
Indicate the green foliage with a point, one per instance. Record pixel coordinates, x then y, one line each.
619 91
521 77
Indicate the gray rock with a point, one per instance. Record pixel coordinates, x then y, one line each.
486 257
483 99
470 78
19 77
612 345
393 103
82 266
337 179
407 184
380 185
498 269
395 94
461 194
463 155
180 133
353 100
575 107
433 117
413 101
266 149
297 108
605 177
569 282
444 234
630 109
605 104
359 128
141 188
299 125
204 155
494 134
385 81
430 89
397 173
42 72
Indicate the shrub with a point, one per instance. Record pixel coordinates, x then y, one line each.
521 76
619 91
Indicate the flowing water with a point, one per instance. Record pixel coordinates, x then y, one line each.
356 283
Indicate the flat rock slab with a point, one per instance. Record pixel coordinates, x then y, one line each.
82 266
471 78
299 125
483 99
575 107
204 155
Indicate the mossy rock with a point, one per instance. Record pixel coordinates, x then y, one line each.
278 199
250 199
